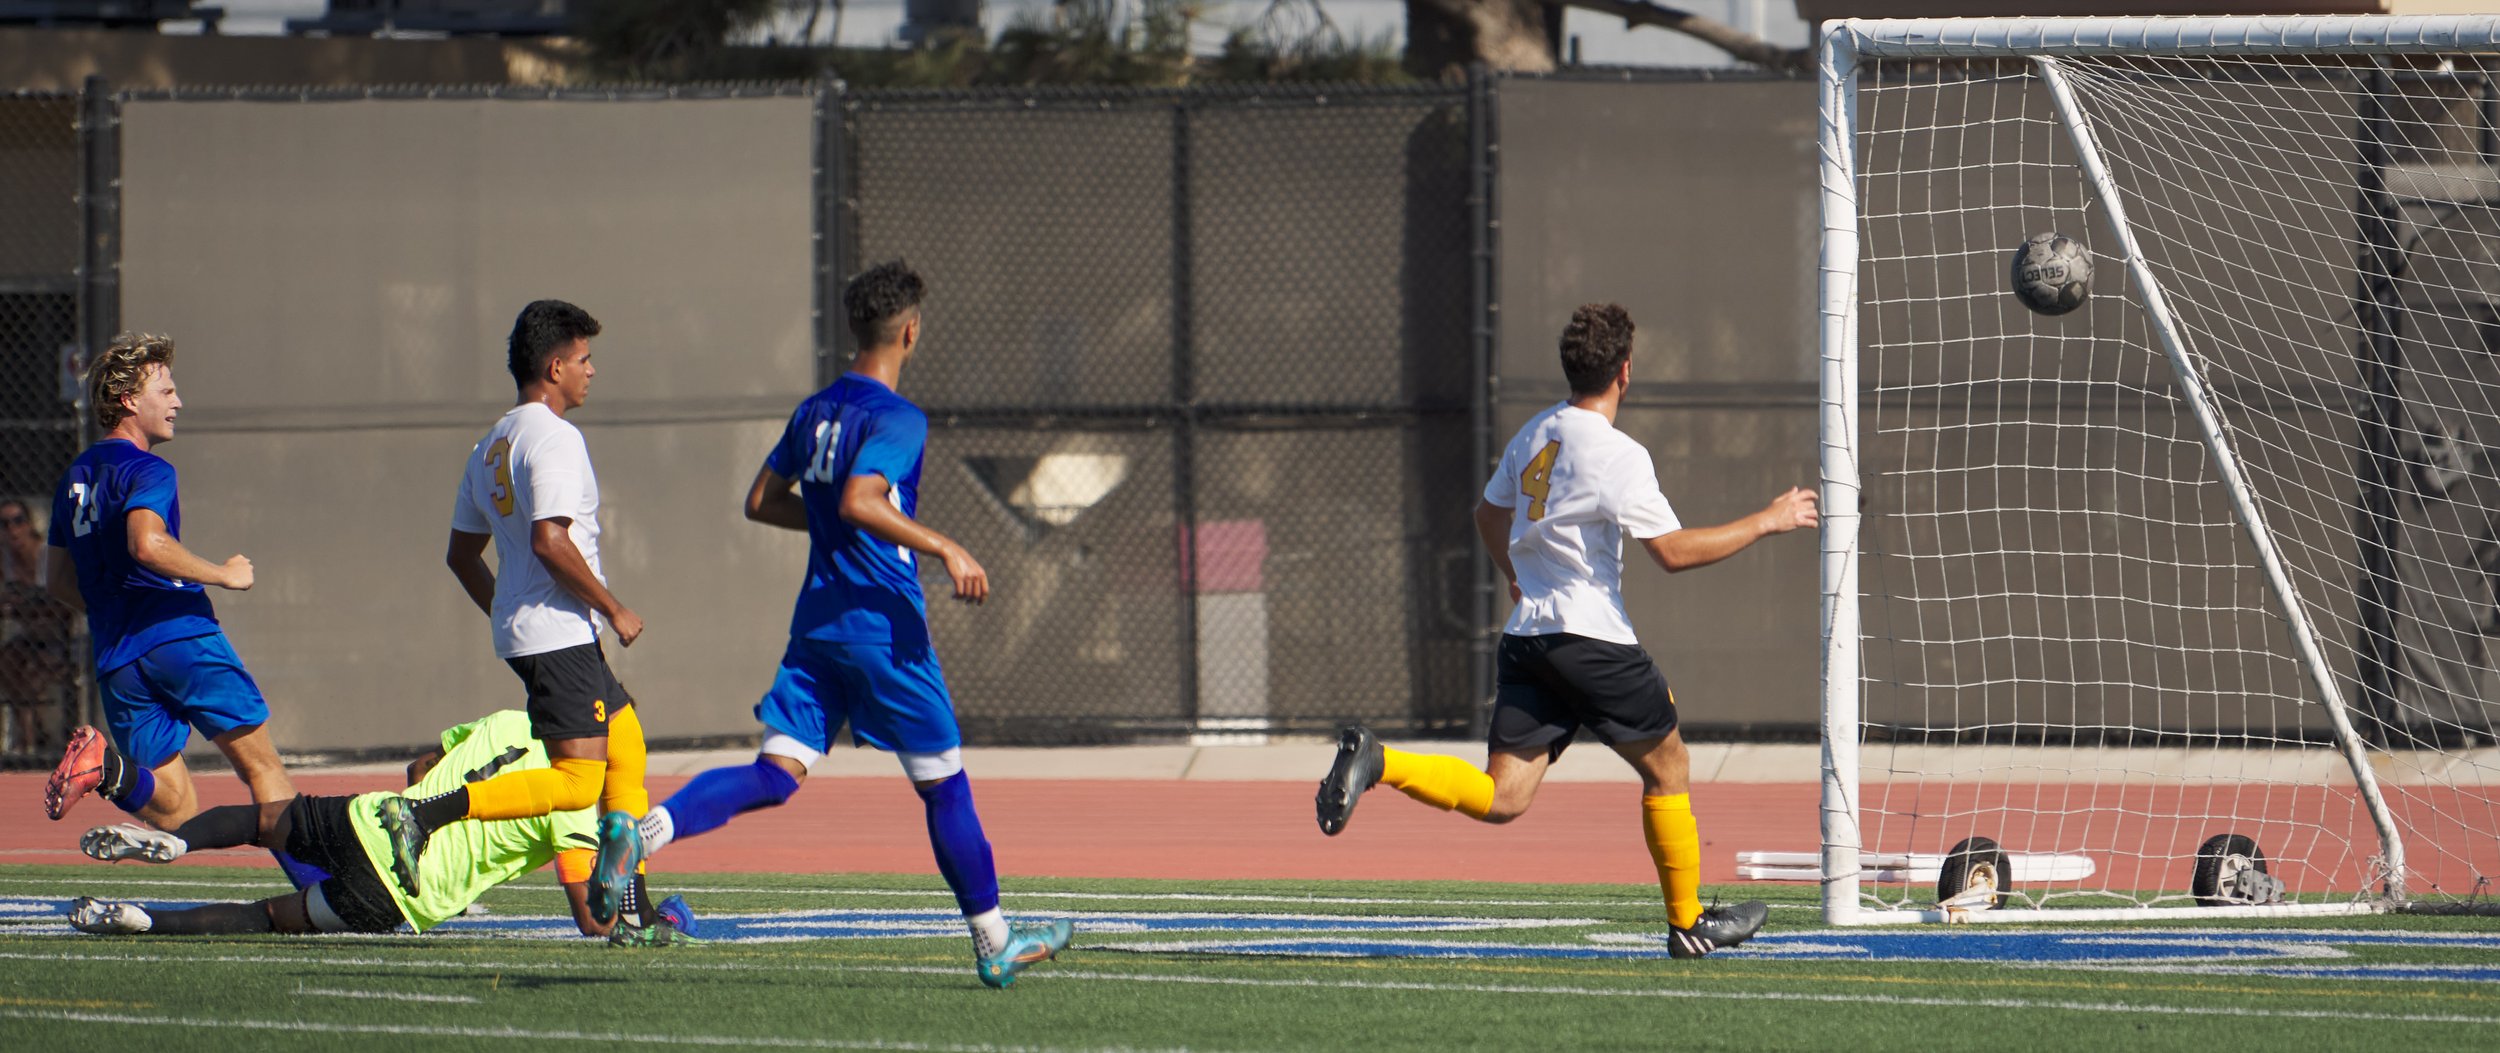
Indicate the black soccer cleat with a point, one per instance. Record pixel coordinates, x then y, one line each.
1359 759
1717 927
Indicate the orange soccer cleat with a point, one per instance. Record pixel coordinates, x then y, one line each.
80 770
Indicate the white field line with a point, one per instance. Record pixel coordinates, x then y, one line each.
1186 897
391 996
1750 996
645 963
606 1038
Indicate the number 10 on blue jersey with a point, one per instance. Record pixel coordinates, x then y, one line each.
820 461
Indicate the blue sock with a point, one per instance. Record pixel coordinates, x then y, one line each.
711 798
963 854
142 786
301 874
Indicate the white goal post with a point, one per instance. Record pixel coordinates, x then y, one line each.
2200 581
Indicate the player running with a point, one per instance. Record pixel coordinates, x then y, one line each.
529 488
162 664
859 640
1554 515
342 835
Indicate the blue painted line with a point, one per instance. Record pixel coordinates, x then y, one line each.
2288 953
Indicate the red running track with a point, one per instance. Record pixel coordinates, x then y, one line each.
1578 832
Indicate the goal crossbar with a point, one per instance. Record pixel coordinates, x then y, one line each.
2163 36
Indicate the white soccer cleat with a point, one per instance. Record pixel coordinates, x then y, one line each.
106 918
131 841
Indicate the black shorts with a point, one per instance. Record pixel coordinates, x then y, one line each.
571 692
1552 686
322 836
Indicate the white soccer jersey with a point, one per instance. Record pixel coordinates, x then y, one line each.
1575 486
532 465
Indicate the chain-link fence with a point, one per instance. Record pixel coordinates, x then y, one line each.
1201 368
1207 368
41 244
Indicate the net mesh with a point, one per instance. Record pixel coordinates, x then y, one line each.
2070 646
1198 375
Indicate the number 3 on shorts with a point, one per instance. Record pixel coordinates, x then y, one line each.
1538 478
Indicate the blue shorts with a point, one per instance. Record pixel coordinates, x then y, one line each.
198 682
895 701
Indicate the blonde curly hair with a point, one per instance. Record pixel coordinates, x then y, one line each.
116 374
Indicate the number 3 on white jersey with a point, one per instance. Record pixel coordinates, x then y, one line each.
1538 478
820 460
500 455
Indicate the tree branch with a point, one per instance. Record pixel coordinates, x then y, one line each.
1744 46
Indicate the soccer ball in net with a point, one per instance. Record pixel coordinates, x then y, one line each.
2052 273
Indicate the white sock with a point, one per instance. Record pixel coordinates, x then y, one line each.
989 932
658 828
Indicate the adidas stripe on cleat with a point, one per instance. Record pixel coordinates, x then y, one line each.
1717 927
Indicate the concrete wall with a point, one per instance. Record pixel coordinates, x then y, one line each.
341 277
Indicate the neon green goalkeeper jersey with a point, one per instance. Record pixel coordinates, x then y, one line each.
466 858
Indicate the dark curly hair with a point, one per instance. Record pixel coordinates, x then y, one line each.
544 326
880 300
1595 345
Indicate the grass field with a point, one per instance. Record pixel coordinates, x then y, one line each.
880 963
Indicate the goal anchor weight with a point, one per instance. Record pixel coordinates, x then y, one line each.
2231 870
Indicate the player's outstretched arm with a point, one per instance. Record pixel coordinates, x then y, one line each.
573 872
1678 550
155 548
772 502
466 556
551 540
1493 528
62 580
864 506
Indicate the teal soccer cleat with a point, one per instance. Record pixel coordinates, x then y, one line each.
620 852
661 933
1026 944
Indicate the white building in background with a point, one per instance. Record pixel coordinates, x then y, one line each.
1602 39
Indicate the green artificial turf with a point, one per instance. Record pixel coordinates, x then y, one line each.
462 989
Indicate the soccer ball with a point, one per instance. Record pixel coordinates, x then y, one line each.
2052 273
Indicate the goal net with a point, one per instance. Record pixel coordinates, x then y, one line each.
2207 569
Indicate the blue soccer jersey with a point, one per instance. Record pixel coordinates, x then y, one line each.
130 609
858 589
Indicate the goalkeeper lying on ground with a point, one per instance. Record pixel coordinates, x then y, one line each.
341 835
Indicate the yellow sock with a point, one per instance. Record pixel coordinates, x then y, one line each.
572 783
1442 782
623 790
1675 845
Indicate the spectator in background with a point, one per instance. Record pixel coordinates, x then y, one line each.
34 637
